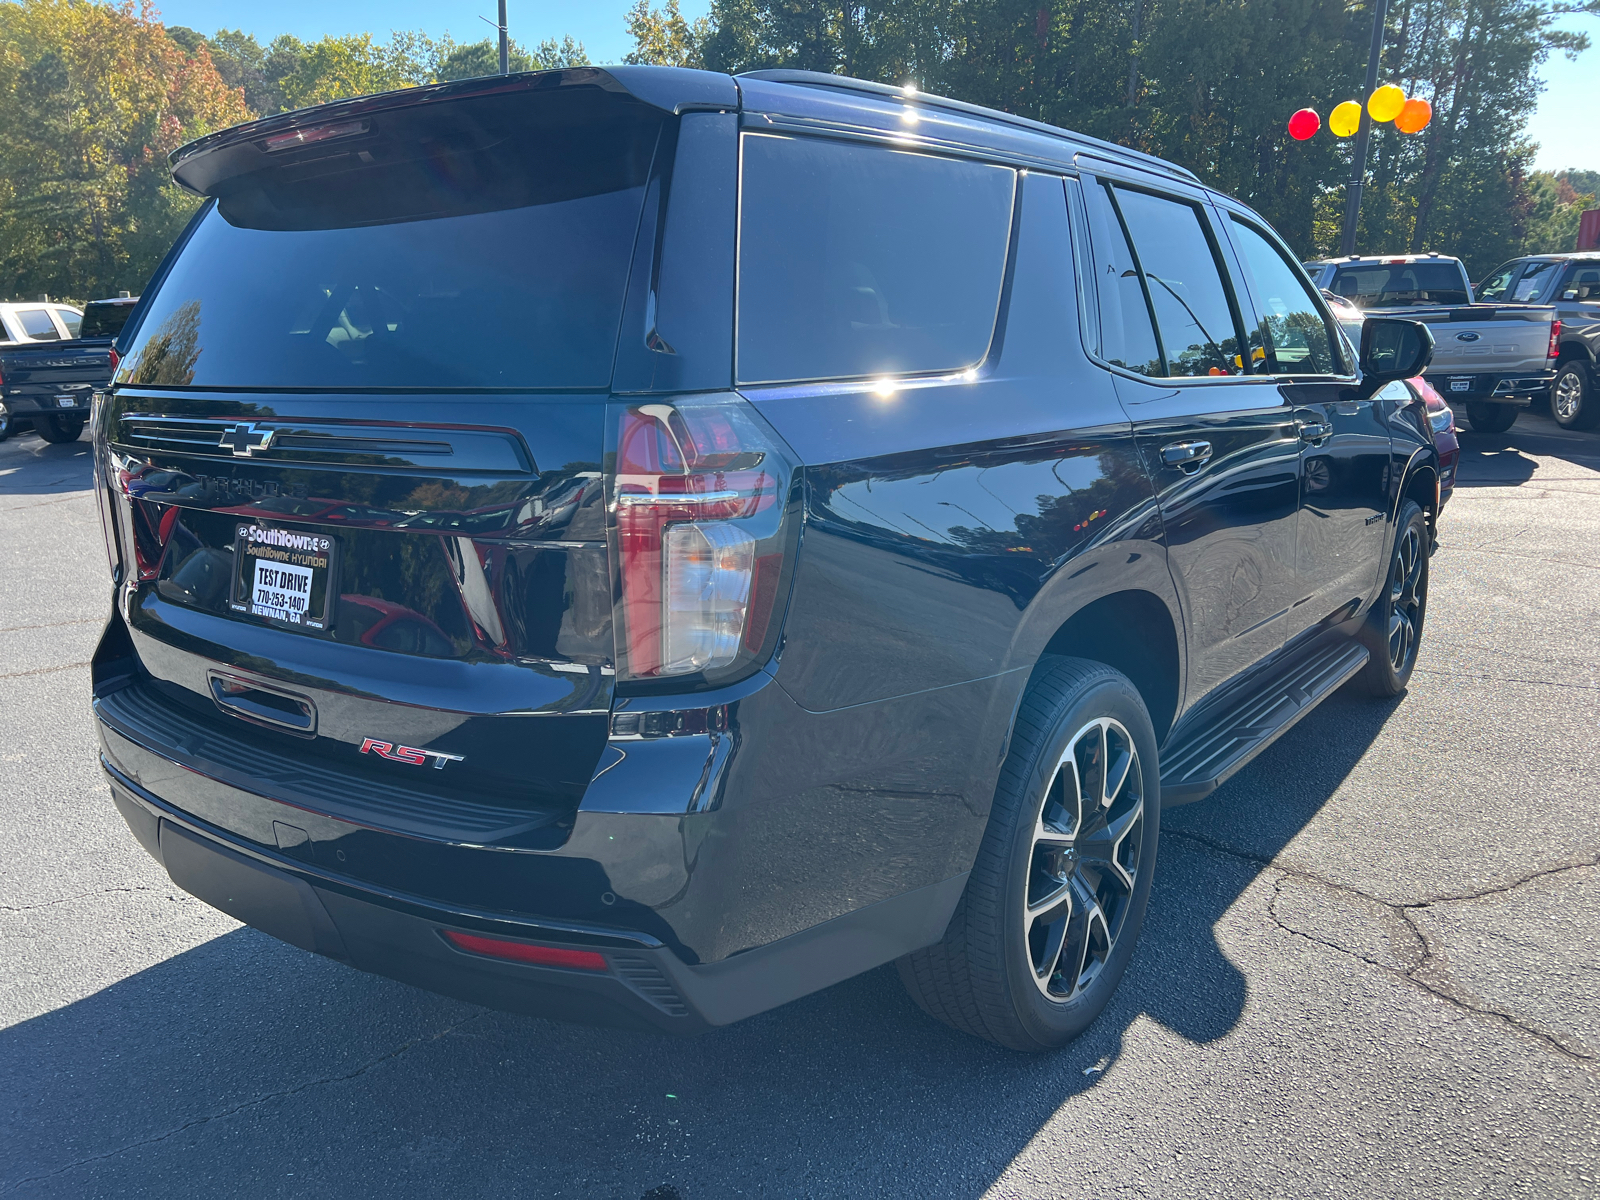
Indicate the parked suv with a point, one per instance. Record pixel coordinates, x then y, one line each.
640 545
1571 282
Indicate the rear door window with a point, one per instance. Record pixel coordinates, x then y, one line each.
1298 337
73 321
859 260
1183 280
1127 334
36 324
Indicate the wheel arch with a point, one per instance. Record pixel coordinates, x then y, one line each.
1131 631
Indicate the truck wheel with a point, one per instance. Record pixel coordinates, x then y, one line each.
59 429
7 426
1393 630
1490 418
1572 400
1056 898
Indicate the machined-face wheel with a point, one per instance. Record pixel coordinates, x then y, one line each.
1405 600
1084 863
1567 397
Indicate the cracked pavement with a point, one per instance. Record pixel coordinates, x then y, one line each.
1371 965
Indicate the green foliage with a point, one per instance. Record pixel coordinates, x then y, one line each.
662 37
1555 204
92 99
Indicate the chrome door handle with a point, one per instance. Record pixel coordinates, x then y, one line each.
1186 454
1314 432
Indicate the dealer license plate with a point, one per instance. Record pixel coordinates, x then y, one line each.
1461 385
285 576
66 401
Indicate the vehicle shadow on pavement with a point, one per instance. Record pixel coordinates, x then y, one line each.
31 466
1508 459
246 1061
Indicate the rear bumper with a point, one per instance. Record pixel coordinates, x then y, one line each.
644 984
1491 387
33 402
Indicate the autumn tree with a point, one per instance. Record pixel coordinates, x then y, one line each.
93 97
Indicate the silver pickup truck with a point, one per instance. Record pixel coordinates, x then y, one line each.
1494 358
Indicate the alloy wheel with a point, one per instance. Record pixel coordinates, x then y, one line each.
1568 395
1405 600
1088 842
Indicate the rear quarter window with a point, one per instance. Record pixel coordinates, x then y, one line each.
859 260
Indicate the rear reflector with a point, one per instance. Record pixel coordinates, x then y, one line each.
542 956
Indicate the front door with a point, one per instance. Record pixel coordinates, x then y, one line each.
1220 444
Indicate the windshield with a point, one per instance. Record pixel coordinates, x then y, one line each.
464 245
1401 285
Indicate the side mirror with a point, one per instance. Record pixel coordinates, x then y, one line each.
1392 349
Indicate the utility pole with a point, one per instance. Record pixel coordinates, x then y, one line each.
505 58
1352 206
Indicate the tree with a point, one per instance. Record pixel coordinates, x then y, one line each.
93 97
663 38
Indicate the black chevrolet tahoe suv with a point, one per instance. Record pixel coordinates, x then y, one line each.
639 545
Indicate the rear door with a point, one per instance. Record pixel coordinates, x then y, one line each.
1344 441
355 453
1218 442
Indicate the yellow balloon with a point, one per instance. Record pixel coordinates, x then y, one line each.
1345 119
1385 103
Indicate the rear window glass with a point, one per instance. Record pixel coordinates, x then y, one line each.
104 320
860 260
1400 285
468 244
70 319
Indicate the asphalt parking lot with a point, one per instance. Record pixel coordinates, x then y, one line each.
1371 967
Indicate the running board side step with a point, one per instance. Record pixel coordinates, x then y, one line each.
1227 735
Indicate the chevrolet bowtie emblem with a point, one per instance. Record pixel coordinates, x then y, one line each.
245 439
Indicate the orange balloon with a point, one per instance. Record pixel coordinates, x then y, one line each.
1345 119
1385 103
1414 117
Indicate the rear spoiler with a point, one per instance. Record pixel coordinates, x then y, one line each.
201 165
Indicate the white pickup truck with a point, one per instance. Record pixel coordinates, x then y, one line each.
1494 358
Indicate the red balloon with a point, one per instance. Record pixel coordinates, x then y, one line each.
1304 124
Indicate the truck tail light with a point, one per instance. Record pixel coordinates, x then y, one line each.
704 507
1555 340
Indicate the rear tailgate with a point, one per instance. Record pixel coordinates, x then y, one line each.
1509 340
54 375
353 465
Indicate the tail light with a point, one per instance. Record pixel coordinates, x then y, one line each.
703 504
116 360
1555 340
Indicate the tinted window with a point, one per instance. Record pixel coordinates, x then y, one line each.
859 260
1398 285
463 244
104 320
70 319
1127 337
36 323
1297 336
1184 283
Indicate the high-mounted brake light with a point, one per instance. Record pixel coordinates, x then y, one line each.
699 495
1555 340
313 135
527 952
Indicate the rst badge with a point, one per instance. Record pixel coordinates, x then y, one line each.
414 755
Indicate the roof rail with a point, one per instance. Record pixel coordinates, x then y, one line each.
846 83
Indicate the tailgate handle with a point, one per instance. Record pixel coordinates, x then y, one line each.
265 706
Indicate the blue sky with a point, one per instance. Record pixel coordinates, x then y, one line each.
1563 125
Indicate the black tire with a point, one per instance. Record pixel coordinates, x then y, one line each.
8 425
1490 418
1393 630
59 429
1573 402
1041 893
